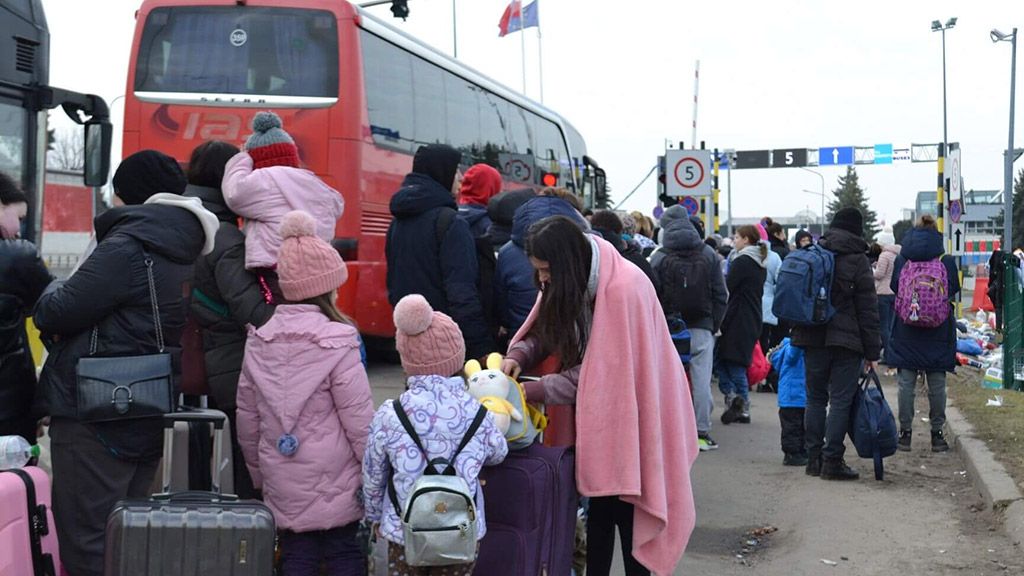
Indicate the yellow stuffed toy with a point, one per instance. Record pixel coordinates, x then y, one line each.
503 396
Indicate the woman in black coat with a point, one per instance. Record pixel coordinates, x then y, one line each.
929 350
742 323
23 277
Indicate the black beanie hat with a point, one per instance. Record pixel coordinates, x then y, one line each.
439 161
849 219
145 173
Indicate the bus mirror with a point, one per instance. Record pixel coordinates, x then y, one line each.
98 135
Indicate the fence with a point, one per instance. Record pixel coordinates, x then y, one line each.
1013 325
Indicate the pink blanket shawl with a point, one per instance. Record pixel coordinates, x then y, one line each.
636 436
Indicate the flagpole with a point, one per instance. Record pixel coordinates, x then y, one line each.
455 35
540 54
522 43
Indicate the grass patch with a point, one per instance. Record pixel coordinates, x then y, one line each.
1001 428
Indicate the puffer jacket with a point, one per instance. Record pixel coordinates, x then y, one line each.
884 268
441 412
772 265
23 277
855 325
111 292
445 273
788 361
514 288
502 210
912 347
264 196
225 298
302 376
477 219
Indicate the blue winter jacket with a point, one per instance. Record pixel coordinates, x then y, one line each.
477 218
788 361
514 289
444 273
772 266
911 347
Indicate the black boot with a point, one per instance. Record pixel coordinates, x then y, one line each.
939 443
734 411
904 442
794 459
837 470
813 465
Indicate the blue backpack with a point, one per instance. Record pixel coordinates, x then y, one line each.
872 425
803 290
680 336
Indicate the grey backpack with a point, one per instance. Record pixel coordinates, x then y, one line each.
439 518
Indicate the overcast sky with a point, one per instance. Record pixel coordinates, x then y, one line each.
772 75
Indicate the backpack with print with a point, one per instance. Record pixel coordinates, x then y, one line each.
439 517
922 298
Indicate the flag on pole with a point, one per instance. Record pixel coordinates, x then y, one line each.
518 17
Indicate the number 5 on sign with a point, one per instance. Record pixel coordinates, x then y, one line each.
689 172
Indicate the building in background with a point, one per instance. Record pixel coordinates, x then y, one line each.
68 211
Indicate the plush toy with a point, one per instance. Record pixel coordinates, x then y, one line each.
504 397
491 387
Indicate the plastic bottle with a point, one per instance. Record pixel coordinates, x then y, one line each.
820 304
15 452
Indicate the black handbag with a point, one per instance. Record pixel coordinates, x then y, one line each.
126 387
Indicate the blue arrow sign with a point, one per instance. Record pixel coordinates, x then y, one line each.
835 155
883 153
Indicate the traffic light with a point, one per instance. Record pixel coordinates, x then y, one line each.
400 8
549 179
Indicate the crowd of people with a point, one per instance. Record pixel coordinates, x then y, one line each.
471 270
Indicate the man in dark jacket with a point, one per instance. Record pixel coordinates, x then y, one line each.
95 465
929 350
23 277
684 254
438 263
835 352
514 285
225 296
609 226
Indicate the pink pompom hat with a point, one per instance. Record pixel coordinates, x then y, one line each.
306 265
429 342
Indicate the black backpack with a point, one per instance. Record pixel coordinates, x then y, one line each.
487 264
685 284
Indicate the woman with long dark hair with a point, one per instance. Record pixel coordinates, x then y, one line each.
741 326
601 318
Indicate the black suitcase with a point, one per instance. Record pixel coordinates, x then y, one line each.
190 533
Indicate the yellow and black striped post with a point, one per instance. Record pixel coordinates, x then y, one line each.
713 217
940 197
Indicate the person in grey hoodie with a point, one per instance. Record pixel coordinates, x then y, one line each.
683 258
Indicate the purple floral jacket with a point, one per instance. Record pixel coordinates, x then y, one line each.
441 411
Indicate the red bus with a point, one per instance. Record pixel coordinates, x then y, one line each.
357 95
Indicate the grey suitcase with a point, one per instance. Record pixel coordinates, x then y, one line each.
190 533
181 472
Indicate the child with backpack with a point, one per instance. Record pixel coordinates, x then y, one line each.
788 361
426 450
304 409
262 184
923 337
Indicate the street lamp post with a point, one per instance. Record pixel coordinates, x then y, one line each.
998 36
819 175
939 27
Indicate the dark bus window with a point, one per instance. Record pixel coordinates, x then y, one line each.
229 50
428 101
13 120
517 126
463 114
551 153
387 71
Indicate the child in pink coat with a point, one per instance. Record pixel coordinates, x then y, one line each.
304 410
262 184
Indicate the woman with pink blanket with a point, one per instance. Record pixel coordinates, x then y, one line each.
636 436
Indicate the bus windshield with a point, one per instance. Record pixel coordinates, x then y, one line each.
12 139
241 51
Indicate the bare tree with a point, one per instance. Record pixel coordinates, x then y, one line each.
68 152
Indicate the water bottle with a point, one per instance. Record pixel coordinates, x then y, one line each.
820 304
15 452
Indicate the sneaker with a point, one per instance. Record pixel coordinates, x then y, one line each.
904 442
813 466
939 443
734 411
837 470
791 459
705 442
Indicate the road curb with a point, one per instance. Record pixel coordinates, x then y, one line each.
989 476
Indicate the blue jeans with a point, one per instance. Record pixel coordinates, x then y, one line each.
732 379
339 548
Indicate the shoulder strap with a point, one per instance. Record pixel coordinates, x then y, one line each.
444 222
38 527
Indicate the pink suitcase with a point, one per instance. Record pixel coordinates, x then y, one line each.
28 536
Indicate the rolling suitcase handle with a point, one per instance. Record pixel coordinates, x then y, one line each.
193 415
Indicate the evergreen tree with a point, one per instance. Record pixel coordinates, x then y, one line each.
1018 210
849 194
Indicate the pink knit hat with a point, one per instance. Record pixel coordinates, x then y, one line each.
761 231
429 342
306 265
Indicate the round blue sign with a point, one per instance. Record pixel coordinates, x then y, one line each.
691 204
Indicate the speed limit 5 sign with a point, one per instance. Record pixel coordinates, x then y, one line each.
688 172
